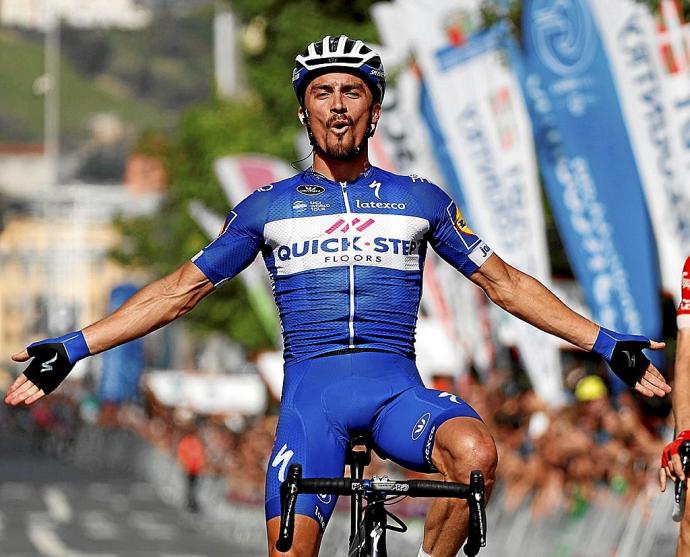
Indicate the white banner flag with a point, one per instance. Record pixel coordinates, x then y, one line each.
239 176
487 133
650 61
402 145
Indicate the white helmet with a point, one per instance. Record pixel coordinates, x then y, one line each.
339 54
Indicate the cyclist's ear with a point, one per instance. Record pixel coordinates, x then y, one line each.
302 116
375 113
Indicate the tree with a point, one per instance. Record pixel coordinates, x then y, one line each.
264 122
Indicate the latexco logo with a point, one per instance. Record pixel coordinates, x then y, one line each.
420 426
428 446
378 205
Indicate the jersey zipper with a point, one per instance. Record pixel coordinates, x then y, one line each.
351 321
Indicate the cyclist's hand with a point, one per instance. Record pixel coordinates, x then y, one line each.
671 467
53 359
624 355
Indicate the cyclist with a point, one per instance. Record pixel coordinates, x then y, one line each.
344 243
670 460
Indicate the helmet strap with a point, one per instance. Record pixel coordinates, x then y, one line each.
371 127
310 135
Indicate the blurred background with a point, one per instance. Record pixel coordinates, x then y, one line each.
129 129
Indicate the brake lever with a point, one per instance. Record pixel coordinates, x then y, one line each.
476 535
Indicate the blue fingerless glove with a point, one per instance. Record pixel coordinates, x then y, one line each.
54 358
623 354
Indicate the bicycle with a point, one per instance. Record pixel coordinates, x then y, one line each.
368 524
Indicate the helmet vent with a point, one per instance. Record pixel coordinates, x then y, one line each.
349 60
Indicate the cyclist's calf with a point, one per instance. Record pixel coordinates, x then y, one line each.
461 445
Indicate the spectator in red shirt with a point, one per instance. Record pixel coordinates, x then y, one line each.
190 453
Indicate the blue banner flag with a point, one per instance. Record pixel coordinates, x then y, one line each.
122 365
589 170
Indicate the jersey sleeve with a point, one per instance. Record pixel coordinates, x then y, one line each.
238 243
451 237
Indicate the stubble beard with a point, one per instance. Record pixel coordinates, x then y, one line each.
344 149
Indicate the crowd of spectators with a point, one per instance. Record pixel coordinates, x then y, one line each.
567 457
550 458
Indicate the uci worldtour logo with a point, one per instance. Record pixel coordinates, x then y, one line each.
563 35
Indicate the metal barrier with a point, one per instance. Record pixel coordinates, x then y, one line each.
610 527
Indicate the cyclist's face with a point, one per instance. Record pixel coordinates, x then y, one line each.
338 106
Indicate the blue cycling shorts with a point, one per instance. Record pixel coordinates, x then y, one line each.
327 399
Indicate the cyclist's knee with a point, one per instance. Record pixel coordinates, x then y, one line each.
463 445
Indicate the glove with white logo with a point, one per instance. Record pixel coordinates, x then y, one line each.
54 358
623 354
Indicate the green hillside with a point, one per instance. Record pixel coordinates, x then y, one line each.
21 110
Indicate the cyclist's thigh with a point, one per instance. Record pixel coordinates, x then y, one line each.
304 435
406 428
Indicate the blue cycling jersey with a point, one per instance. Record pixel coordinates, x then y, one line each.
346 259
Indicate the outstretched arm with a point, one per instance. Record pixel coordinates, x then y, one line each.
152 307
528 299
671 466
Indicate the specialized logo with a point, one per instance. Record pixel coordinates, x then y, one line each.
451 397
269 187
460 223
45 366
376 186
282 459
308 189
299 206
344 226
630 357
420 426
